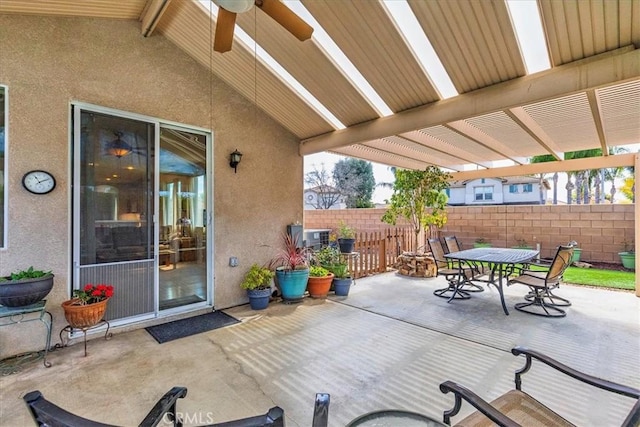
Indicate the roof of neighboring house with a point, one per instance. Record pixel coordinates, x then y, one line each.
505 181
322 189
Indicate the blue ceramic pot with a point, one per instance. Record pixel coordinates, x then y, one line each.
342 286
259 298
292 283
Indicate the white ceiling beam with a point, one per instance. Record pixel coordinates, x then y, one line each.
524 120
612 161
601 70
597 119
153 11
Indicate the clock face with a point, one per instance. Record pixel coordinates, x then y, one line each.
39 182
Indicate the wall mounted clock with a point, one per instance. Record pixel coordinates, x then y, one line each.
38 182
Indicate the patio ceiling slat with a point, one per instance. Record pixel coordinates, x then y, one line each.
474 41
130 9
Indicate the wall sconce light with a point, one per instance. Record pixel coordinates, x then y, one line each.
235 159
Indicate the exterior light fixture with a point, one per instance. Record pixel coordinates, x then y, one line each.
235 159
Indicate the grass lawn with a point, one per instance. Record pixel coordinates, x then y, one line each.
600 278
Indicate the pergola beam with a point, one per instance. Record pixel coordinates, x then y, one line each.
612 161
605 69
151 15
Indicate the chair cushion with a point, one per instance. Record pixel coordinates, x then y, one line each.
521 408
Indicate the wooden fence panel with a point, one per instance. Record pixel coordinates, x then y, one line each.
376 252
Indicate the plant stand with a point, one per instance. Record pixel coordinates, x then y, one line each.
69 329
15 315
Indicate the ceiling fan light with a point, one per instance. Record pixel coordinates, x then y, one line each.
236 6
119 148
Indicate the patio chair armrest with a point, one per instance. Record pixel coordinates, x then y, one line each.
633 419
273 418
165 409
45 413
585 378
476 401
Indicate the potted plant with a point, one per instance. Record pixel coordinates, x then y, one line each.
577 252
292 269
88 306
330 258
25 287
319 281
481 242
346 237
628 257
257 283
342 280
522 243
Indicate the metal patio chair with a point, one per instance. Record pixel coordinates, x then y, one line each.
452 245
540 300
456 274
47 414
518 408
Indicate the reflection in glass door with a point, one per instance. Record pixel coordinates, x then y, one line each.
182 218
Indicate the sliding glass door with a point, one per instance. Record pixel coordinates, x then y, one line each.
182 218
140 212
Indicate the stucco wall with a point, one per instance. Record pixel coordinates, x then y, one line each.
49 62
600 230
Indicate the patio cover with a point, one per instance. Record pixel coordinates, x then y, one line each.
590 98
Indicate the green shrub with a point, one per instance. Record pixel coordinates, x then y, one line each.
317 271
257 278
29 273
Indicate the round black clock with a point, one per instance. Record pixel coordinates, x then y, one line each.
38 182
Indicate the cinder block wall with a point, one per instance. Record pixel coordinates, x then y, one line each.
600 230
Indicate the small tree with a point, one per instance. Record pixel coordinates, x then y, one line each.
355 181
418 196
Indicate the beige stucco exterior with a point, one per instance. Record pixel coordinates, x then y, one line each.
47 63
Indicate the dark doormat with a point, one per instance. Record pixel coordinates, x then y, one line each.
190 326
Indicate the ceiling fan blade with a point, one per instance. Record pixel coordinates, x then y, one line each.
285 17
224 30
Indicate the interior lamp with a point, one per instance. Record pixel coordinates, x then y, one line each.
234 159
118 147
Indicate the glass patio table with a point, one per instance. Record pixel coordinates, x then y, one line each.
499 260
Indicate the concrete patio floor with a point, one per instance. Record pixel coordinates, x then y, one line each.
388 345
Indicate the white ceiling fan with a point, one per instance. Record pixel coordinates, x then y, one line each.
274 8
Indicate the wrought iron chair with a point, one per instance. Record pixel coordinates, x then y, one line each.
456 273
47 414
540 300
452 245
518 408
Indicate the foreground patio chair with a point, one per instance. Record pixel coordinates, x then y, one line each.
47 414
540 300
517 408
456 274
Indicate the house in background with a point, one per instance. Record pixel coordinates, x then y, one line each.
516 190
323 197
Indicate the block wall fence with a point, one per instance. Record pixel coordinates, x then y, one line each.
600 230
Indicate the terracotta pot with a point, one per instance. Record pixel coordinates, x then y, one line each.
84 316
318 287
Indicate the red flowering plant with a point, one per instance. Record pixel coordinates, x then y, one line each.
92 294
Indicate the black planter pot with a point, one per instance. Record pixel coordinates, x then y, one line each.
20 293
346 245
